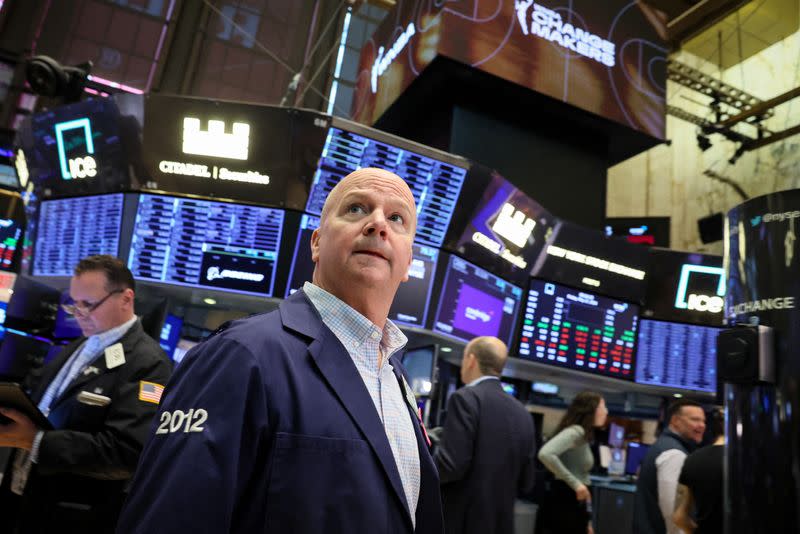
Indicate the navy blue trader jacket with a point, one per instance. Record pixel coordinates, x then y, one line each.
267 427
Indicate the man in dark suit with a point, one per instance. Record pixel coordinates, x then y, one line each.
487 448
100 393
300 420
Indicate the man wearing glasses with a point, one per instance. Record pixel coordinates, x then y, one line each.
100 393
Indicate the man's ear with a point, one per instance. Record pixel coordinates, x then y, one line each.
315 245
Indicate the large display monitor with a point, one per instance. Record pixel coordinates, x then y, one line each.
585 258
76 149
685 287
579 330
72 228
206 244
302 267
435 183
10 242
678 356
499 227
474 302
420 365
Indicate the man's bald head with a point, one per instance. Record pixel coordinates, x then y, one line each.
363 178
490 353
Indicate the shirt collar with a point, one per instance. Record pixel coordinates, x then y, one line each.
106 338
353 329
484 378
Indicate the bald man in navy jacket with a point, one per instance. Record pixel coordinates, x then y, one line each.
300 420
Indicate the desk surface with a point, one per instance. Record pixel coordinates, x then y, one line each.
628 485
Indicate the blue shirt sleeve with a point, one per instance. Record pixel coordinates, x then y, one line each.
206 447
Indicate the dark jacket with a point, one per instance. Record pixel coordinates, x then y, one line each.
85 463
486 457
283 437
647 518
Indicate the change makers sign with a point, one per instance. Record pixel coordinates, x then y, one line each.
218 149
607 57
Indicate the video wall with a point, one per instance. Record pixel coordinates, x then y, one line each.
487 259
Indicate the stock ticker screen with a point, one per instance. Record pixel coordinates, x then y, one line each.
64 237
201 243
578 330
10 234
474 302
411 302
435 184
677 355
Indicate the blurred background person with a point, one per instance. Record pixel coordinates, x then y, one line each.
566 506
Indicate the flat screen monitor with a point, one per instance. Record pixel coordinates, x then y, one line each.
76 149
685 287
676 355
616 435
170 334
420 365
206 244
10 242
587 259
579 330
473 302
636 453
3 308
72 228
435 183
499 227
20 353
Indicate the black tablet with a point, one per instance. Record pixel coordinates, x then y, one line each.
13 396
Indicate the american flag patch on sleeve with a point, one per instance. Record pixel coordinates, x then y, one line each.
150 391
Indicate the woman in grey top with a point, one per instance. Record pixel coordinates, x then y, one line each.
568 456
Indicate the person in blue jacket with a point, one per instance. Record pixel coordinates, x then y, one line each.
300 420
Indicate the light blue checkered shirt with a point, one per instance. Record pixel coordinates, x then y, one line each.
370 349
80 360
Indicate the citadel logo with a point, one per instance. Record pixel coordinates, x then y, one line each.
513 225
215 142
214 273
547 24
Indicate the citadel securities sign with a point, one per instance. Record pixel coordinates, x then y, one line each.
549 25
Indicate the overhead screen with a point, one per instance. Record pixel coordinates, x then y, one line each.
77 149
420 364
72 228
434 183
208 244
474 302
685 287
410 305
498 227
584 258
579 330
677 355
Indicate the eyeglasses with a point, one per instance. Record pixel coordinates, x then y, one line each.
84 307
